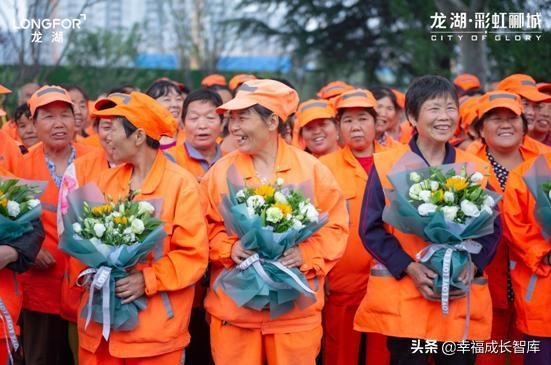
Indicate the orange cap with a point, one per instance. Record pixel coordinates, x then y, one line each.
141 110
356 98
4 90
523 85
544 88
467 82
499 99
237 80
271 94
400 98
333 89
314 109
468 111
214 79
48 94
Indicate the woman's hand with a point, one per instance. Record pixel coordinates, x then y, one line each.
44 259
292 257
131 287
238 253
8 255
422 278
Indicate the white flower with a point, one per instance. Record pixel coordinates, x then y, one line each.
488 202
450 212
425 196
308 210
426 209
250 212
476 177
102 248
77 228
280 198
297 224
279 181
240 196
146 208
99 229
33 203
469 209
127 231
13 208
414 191
549 194
486 209
137 226
449 197
274 214
434 185
121 208
255 201
414 177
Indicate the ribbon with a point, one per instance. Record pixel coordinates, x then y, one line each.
100 280
256 262
469 246
9 330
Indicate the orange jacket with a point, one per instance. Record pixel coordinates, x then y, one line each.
528 143
169 275
531 278
10 128
497 269
406 132
92 140
190 159
42 288
320 252
396 307
85 169
347 281
10 154
10 291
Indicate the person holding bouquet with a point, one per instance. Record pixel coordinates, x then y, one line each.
17 254
167 276
51 111
402 300
527 214
269 168
502 128
356 118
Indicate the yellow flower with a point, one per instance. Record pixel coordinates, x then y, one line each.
438 195
457 183
265 191
4 202
285 208
117 220
124 220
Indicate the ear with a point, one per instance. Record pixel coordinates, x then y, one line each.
273 123
140 137
412 120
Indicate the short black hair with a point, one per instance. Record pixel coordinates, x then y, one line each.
479 122
266 113
217 87
130 128
21 110
341 111
202 94
380 92
426 88
70 87
121 89
161 88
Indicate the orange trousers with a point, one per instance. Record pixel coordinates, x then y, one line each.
503 329
102 357
243 346
341 344
3 353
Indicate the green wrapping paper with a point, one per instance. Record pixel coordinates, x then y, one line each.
535 178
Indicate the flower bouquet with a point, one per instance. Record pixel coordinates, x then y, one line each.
268 220
110 237
538 180
447 207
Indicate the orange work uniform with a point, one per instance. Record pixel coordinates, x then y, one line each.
10 154
277 340
347 281
190 159
169 274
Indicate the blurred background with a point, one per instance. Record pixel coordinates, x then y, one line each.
308 42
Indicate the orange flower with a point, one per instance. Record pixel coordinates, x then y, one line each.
265 191
457 183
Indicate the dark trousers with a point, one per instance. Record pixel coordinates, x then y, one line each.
198 351
534 357
44 339
402 353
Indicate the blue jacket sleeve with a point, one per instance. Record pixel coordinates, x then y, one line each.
383 246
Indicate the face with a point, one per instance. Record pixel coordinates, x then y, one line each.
530 110
250 131
437 119
225 95
543 121
502 129
104 134
202 125
386 115
122 148
55 125
27 131
320 136
80 107
26 92
173 102
357 128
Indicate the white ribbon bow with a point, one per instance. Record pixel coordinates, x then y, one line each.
9 330
100 280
